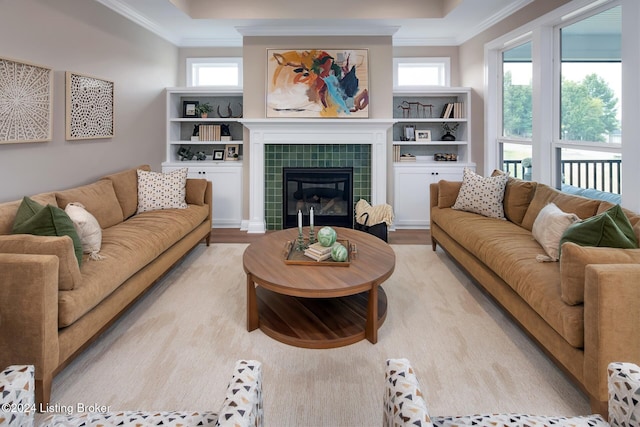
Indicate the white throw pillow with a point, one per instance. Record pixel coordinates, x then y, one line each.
88 229
162 190
548 228
482 195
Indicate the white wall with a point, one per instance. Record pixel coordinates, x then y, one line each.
85 37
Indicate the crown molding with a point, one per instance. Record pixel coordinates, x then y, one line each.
324 30
133 15
492 20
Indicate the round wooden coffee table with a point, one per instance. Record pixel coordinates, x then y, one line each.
315 306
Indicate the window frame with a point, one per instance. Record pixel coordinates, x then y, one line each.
544 32
191 63
443 62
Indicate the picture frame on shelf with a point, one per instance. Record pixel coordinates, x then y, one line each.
423 135
218 154
231 152
409 133
190 109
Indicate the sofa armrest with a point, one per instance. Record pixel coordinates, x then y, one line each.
624 388
17 400
242 406
29 315
611 321
403 400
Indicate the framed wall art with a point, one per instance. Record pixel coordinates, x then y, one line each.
89 107
26 100
318 83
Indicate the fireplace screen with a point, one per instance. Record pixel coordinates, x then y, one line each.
328 190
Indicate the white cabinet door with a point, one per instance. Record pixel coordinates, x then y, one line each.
411 192
227 192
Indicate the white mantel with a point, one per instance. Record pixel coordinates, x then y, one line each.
313 131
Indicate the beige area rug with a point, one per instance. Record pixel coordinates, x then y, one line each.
175 350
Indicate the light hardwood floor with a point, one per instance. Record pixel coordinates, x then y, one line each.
398 237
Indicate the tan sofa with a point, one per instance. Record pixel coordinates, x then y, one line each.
598 327
50 308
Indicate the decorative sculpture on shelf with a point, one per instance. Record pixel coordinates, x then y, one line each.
201 156
196 130
185 153
415 110
229 112
224 130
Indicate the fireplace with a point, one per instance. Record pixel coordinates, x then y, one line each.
329 191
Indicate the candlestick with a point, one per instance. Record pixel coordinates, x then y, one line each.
299 221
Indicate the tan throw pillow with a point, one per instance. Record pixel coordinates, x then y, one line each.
88 229
196 189
481 195
158 190
448 193
574 260
548 227
61 246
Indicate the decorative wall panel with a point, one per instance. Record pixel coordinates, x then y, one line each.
89 107
26 94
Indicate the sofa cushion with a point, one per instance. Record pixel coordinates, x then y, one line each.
448 192
610 228
8 210
581 206
158 190
98 198
60 246
575 258
33 218
517 197
125 185
195 191
549 227
127 248
510 252
481 195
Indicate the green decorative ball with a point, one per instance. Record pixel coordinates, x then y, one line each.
327 236
339 253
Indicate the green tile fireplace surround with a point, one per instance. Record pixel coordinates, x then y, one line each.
278 156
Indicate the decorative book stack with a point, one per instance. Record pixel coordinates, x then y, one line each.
318 252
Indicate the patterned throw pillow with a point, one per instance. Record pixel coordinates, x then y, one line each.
162 190
482 195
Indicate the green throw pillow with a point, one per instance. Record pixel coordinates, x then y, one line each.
33 218
609 229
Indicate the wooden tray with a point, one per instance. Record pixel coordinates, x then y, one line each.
294 257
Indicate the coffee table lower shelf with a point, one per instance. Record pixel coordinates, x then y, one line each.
316 322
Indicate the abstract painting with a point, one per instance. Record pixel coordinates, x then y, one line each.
26 94
321 83
89 107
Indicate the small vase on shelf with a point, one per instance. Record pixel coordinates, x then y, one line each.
448 137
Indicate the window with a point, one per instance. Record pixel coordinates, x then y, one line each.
420 72
517 90
221 72
553 98
590 90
